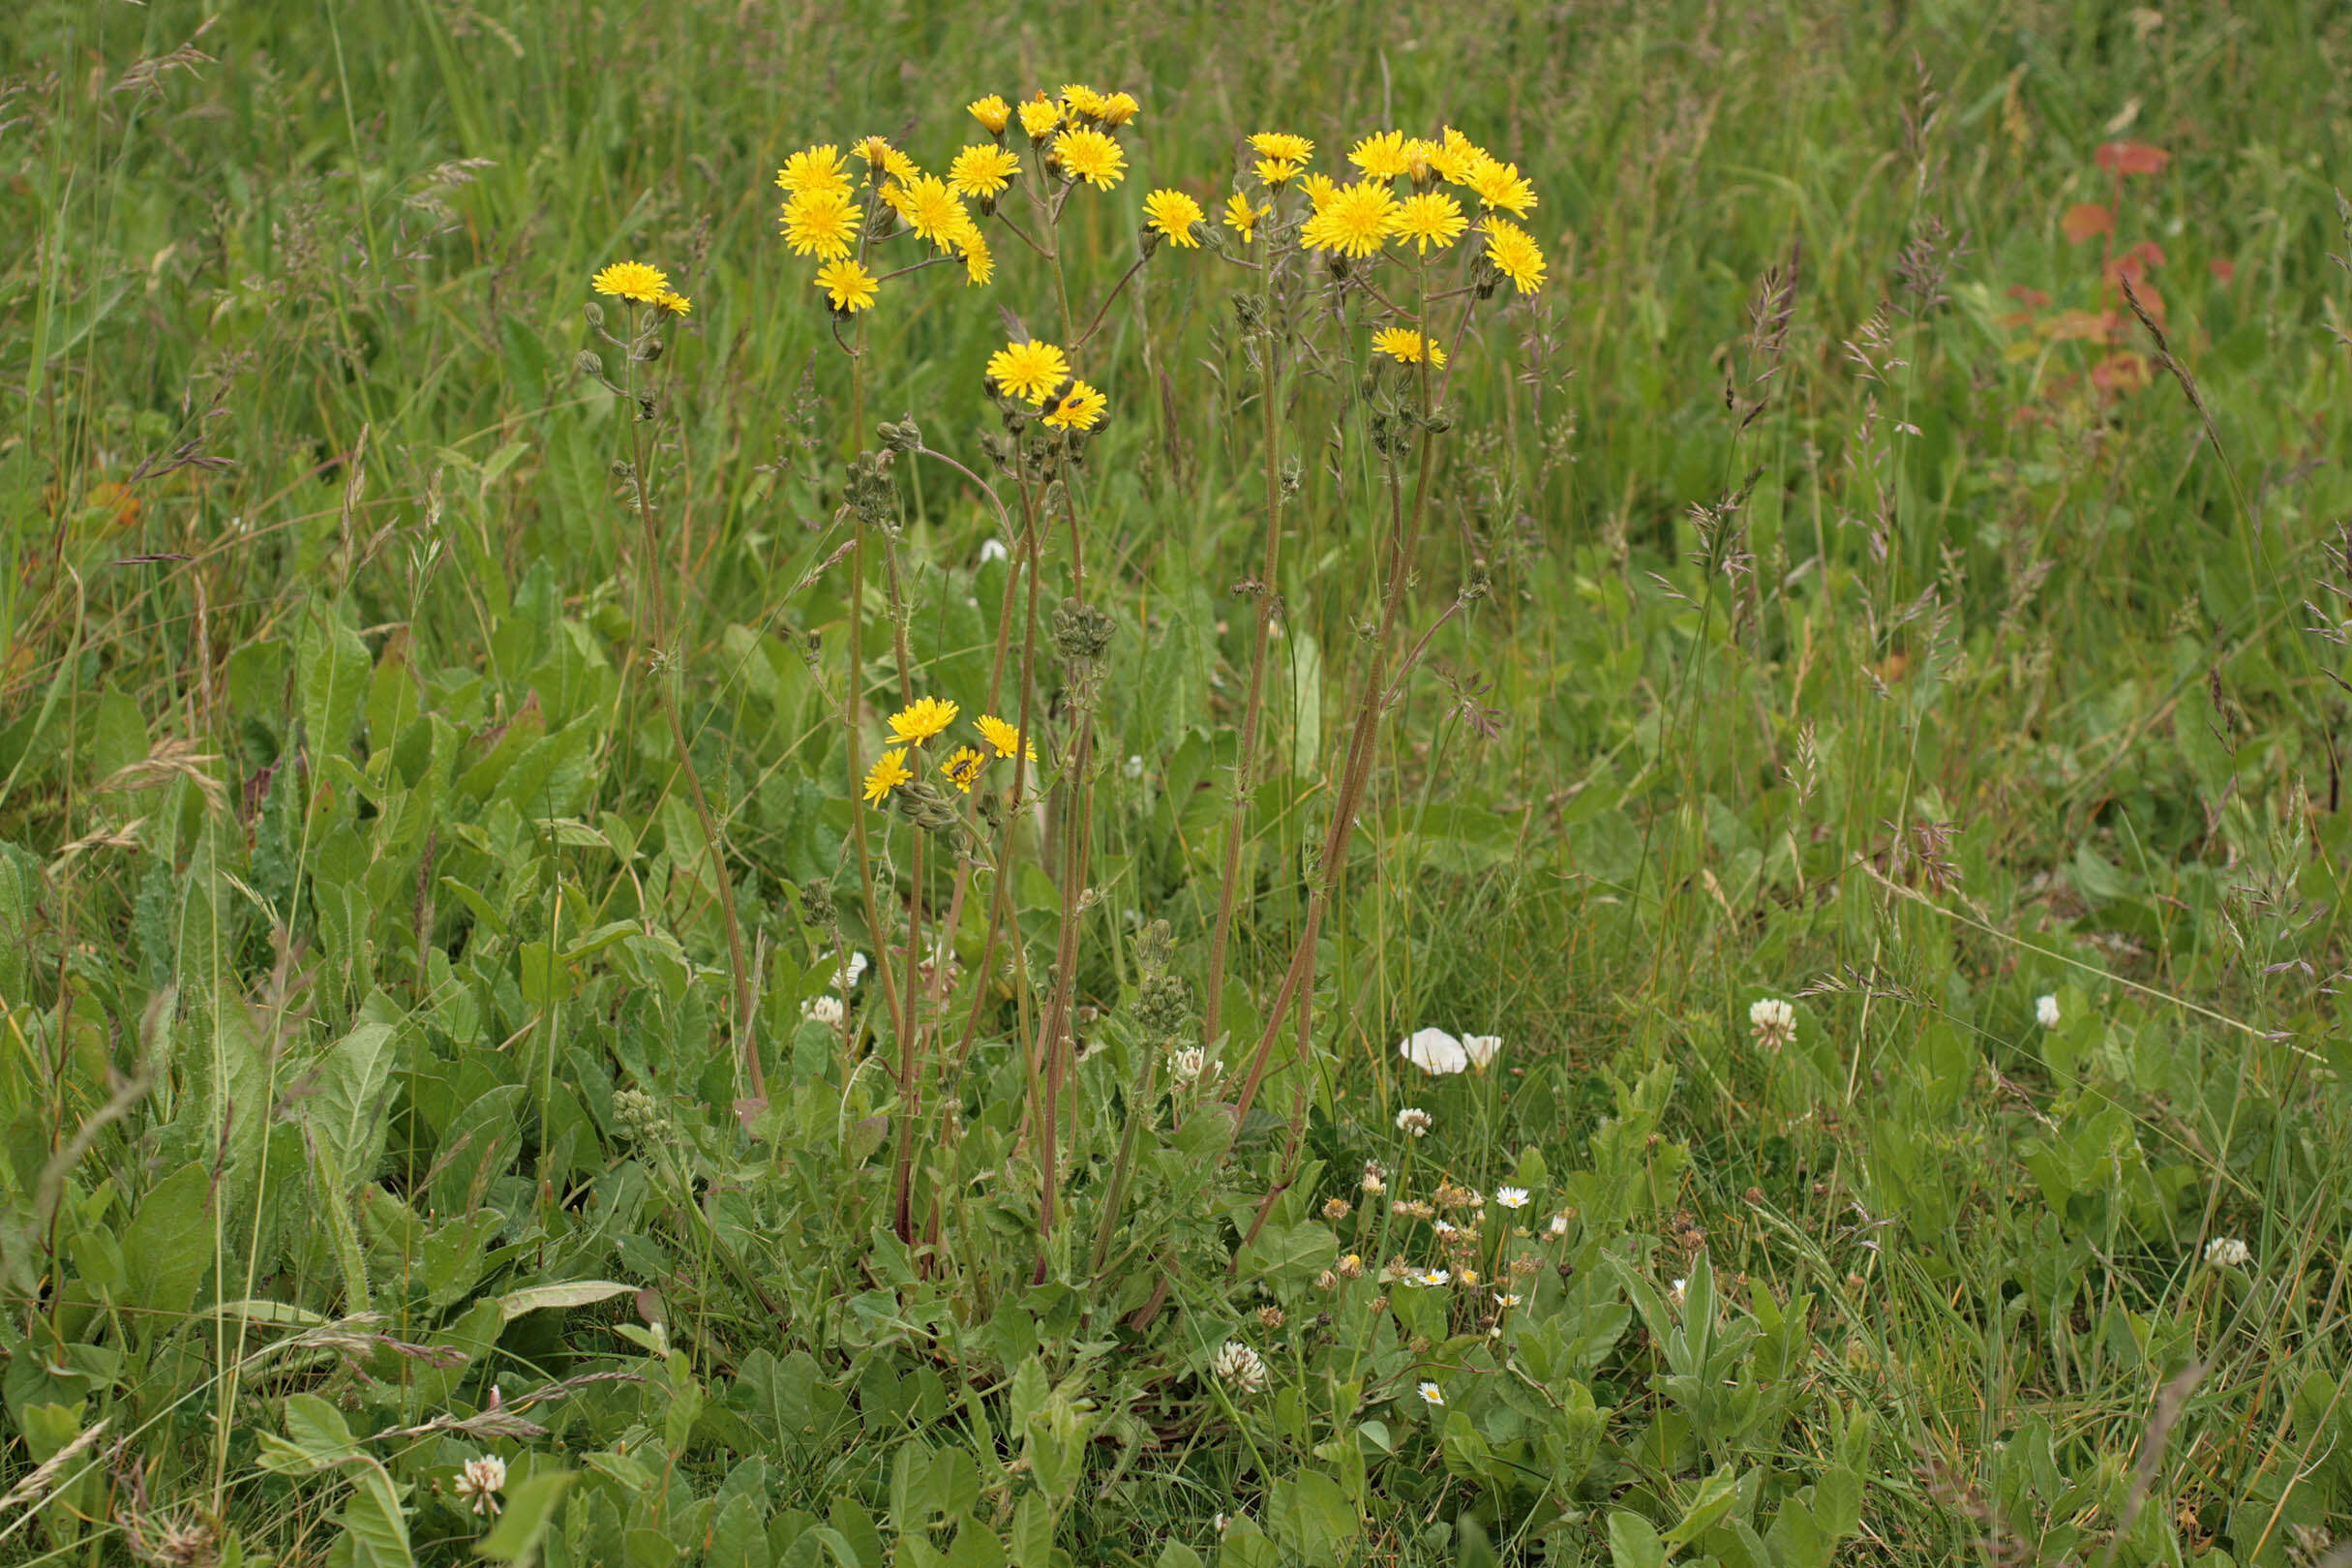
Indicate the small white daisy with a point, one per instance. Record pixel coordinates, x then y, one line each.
1431 1278
1506 1298
1676 1292
1433 1394
1511 1197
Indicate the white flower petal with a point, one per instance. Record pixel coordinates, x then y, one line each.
1433 1050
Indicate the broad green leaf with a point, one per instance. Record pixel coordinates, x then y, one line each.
346 1114
1633 1542
167 1246
530 1507
580 1293
332 667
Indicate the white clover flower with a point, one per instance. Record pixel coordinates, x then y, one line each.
1431 1279
2045 1011
479 1484
1774 1022
1446 1227
1481 1049
1186 1065
1511 1197
1375 1177
1240 1366
1676 1292
1433 1050
826 1009
2227 1252
1433 1394
1414 1120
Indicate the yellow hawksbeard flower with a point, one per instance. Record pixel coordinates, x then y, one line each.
847 285
922 720
1499 184
1382 156
817 168
1243 217
821 223
964 769
1276 172
980 263
1319 188
1432 217
1079 409
1173 213
1511 251
889 772
1040 116
1456 156
1119 109
1028 370
1405 346
1354 221
933 211
1005 738
982 170
992 112
1079 98
632 281
1282 144
670 302
1090 156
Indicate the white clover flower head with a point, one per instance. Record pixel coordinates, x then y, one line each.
1431 1394
1774 1022
1446 1227
1506 1298
993 550
1558 1225
1678 1291
2045 1011
1431 1279
1415 1120
1186 1065
1480 1049
2227 1252
1239 1366
479 1484
1511 1197
1433 1050
1375 1177
826 1009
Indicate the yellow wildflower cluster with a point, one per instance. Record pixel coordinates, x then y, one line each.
926 719
834 211
641 283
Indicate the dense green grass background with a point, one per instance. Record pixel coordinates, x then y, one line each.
2016 689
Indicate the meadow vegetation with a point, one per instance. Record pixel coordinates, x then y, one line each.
1493 783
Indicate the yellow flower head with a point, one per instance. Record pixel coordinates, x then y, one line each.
877 151
1038 117
815 168
1079 408
1120 108
1511 251
979 262
670 302
1405 346
1028 370
1499 184
1432 217
982 170
933 211
1282 144
1090 156
1382 157
964 769
1319 188
1354 221
1277 172
1081 101
1456 156
849 286
992 112
922 720
1005 738
1418 152
632 281
1173 213
1243 217
889 771
821 223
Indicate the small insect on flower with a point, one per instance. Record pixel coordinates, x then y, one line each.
1511 1197
1243 218
1432 217
889 771
1415 1120
922 720
1511 251
1431 1394
1406 347
1079 408
848 286
632 281
1240 1366
2045 1011
992 112
479 1484
2227 1252
964 769
982 170
1174 214
1282 145
670 302
1354 220
1005 738
1091 155
1774 1022
821 223
1030 371
814 168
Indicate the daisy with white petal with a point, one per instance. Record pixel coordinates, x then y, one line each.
1431 1394
1511 1197
1431 1279
1506 1298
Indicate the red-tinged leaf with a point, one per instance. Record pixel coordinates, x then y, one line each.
2150 253
2015 319
2031 299
2082 326
2085 219
2122 370
2225 272
2132 158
